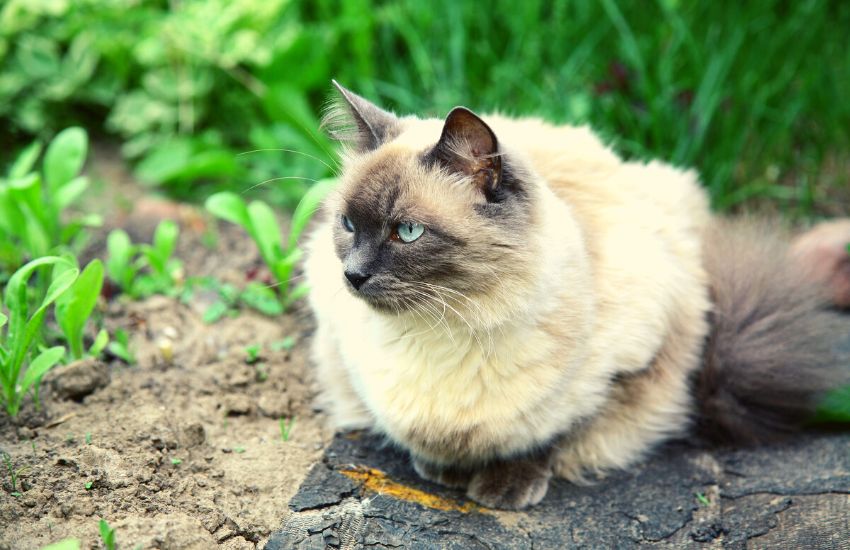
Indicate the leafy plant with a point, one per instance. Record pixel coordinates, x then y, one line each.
13 473
252 353
32 203
286 427
24 326
107 535
75 306
258 219
120 347
141 270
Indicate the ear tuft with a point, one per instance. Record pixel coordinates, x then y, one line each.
356 121
468 145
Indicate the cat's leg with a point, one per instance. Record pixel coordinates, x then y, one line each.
336 394
644 409
509 484
513 484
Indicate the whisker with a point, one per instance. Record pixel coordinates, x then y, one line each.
278 179
333 169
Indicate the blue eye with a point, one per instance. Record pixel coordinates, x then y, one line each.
346 223
409 231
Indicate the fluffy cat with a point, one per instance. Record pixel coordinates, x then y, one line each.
509 300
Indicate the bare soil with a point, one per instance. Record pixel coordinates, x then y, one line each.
184 448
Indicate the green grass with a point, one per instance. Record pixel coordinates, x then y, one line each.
752 94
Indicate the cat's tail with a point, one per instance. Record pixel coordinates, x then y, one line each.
776 345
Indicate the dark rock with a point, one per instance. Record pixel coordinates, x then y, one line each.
793 495
79 379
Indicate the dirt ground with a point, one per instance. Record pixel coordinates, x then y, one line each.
183 449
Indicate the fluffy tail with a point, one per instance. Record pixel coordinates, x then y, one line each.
776 346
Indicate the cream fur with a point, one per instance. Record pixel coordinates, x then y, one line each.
614 286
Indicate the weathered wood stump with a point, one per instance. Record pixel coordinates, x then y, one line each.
796 495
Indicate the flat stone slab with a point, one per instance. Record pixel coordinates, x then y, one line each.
795 495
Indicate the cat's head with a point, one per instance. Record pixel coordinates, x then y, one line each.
431 216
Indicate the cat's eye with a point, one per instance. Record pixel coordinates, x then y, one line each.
346 223
409 231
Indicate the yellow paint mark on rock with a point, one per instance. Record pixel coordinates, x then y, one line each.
378 482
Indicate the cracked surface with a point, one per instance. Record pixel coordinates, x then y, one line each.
793 495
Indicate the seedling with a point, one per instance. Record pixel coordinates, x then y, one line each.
142 270
239 450
13 473
286 344
75 306
16 342
107 535
252 353
703 499
31 204
89 485
88 438
120 347
176 462
257 218
286 427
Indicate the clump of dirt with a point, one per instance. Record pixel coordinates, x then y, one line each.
183 449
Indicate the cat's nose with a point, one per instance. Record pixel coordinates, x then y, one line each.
356 278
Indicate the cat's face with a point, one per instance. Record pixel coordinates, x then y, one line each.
428 219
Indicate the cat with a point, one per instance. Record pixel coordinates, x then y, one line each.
510 301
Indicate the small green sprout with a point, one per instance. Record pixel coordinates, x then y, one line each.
286 427
176 461
286 344
239 450
75 306
252 353
107 535
702 499
258 220
88 438
120 347
89 485
142 270
19 339
13 473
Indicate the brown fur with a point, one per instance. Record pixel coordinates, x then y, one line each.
776 345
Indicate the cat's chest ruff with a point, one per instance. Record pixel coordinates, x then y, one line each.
436 391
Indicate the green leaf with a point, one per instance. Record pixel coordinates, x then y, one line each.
107 534
230 207
266 231
307 207
65 157
835 406
301 290
261 298
3 320
165 240
70 192
99 344
67 544
215 312
119 265
75 306
25 161
39 366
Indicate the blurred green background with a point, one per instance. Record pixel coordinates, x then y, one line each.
755 95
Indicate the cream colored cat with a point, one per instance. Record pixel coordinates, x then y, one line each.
508 299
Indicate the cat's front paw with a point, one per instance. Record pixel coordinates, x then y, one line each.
510 485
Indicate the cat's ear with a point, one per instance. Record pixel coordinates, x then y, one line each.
467 145
358 122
